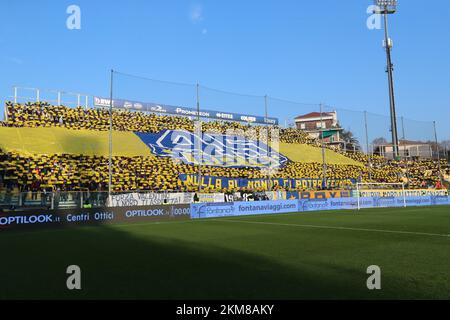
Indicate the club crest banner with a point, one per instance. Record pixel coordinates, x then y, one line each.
212 149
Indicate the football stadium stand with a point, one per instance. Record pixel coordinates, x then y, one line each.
48 148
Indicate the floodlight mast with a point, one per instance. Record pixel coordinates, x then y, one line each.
386 7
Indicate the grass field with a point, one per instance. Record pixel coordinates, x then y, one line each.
290 256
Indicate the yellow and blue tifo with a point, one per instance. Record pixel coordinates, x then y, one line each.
54 140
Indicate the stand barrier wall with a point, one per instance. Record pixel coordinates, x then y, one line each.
42 218
230 209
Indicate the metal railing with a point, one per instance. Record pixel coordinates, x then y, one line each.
58 97
53 200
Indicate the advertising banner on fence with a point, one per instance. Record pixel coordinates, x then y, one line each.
66 218
370 202
328 204
182 111
229 209
319 194
399 193
277 195
211 197
149 199
266 184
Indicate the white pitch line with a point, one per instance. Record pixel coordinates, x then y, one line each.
337 228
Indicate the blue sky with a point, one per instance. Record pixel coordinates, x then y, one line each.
306 51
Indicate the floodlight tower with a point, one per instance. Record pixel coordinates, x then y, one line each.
386 7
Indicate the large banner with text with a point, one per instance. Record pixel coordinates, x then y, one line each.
149 199
266 184
400 193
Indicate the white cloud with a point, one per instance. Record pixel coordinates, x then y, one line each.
196 13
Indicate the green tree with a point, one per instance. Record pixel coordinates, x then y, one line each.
350 141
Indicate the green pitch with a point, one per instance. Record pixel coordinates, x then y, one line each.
289 256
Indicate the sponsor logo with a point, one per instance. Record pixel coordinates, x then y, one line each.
384 201
32 219
158 108
439 200
313 205
127 104
270 208
102 102
214 209
145 213
224 116
180 211
248 118
270 121
187 112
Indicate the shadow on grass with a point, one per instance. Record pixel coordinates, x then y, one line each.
117 264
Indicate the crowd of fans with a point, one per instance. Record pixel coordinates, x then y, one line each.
79 172
42 114
69 172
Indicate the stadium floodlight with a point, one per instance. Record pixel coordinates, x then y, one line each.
386 7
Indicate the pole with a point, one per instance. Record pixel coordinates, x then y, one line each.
390 69
324 182
52 206
265 107
199 147
403 136
357 196
110 134
369 160
267 125
404 195
404 149
438 155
